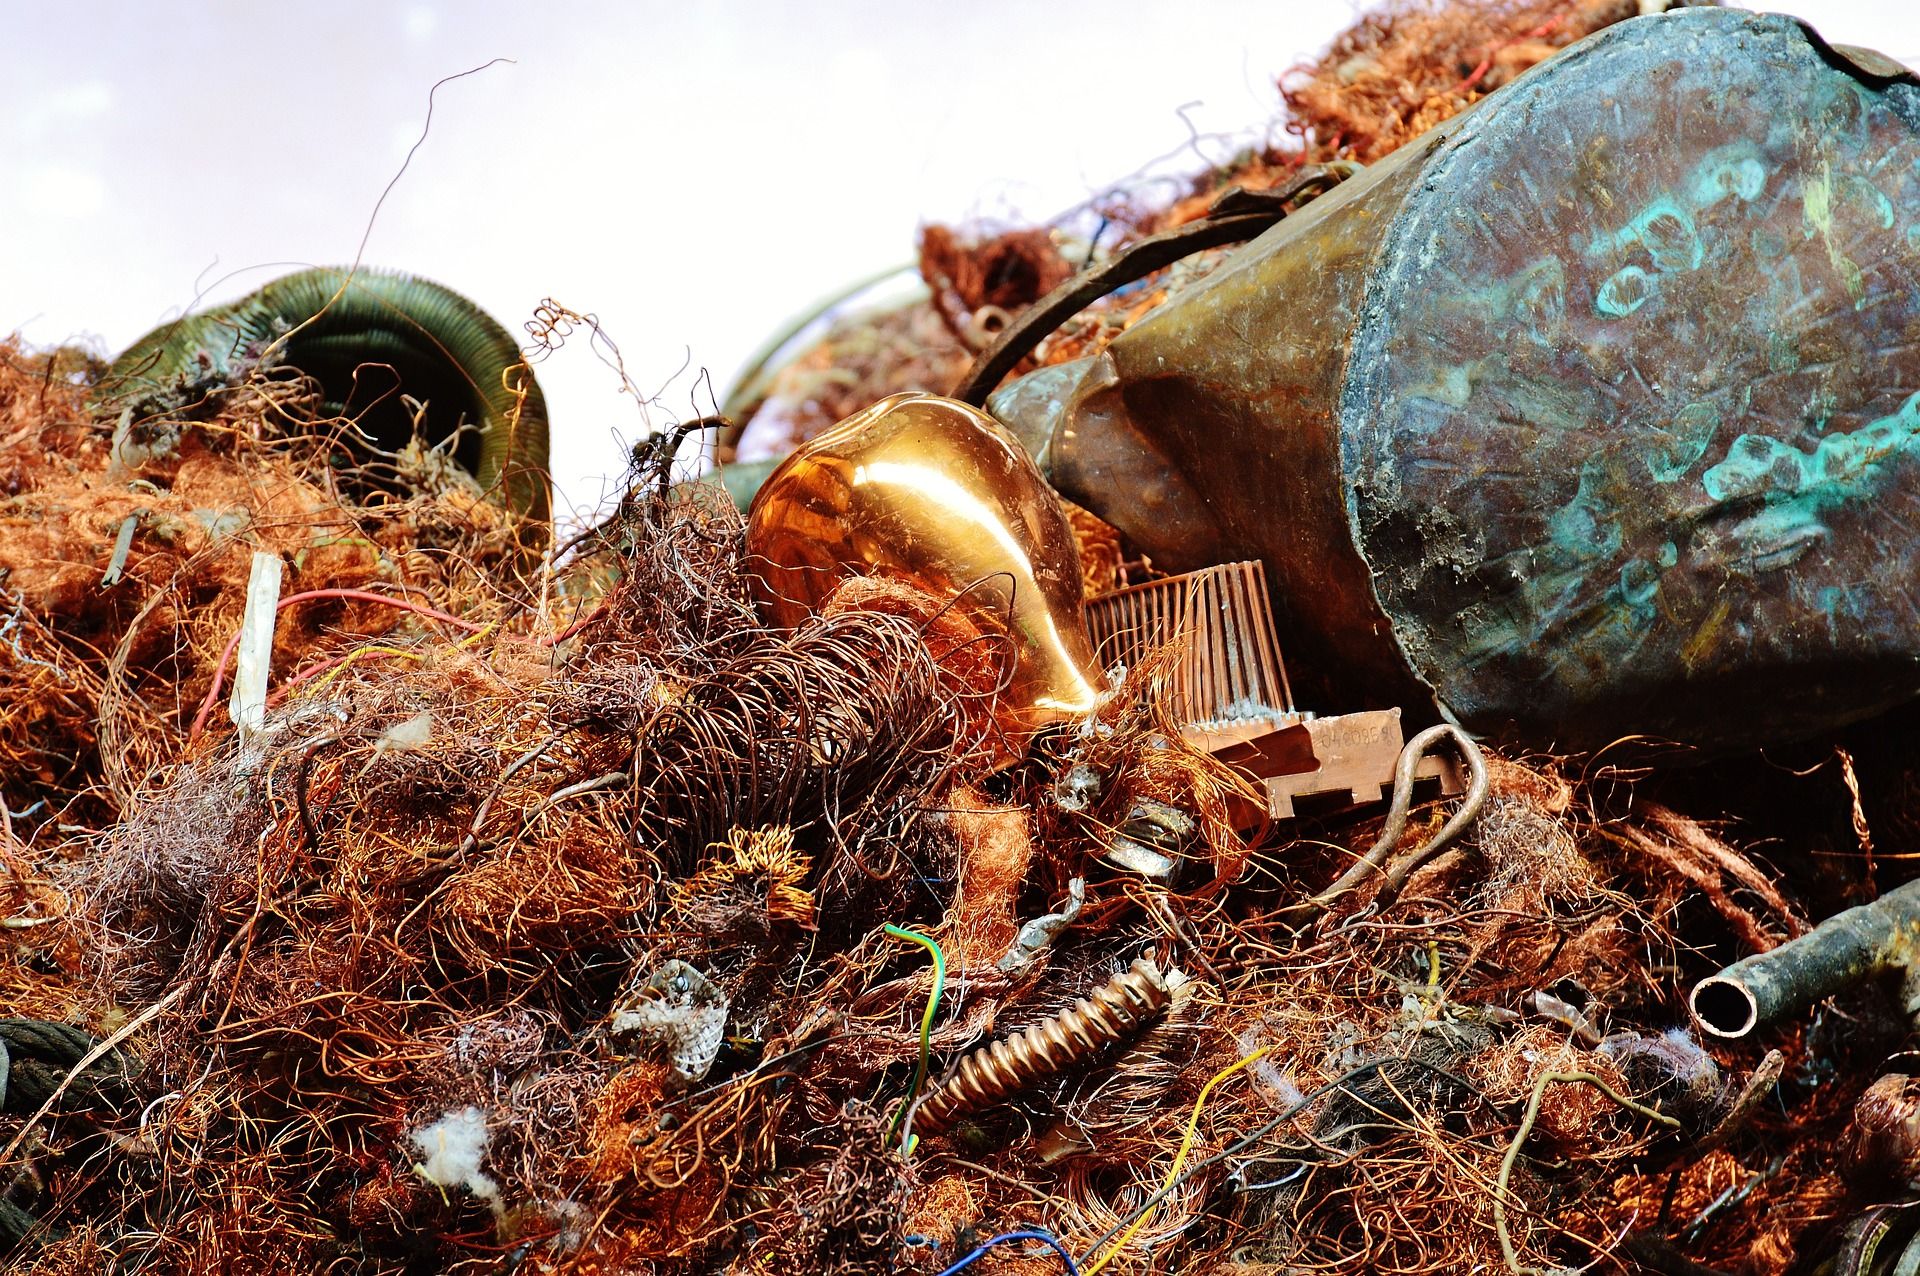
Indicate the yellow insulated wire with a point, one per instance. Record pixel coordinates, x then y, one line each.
1179 1159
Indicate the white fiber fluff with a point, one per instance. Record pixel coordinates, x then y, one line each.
452 1149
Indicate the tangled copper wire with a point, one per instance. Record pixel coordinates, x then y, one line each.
424 894
421 895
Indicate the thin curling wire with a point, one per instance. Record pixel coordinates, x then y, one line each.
926 1020
1262 1131
1007 1238
1179 1158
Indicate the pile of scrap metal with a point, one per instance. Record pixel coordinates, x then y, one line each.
355 424
930 867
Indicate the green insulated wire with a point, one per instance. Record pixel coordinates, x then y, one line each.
926 1020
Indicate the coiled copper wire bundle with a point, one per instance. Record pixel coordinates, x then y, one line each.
1110 1014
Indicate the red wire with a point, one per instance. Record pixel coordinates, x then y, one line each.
1486 63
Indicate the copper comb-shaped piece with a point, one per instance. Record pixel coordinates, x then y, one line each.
1228 685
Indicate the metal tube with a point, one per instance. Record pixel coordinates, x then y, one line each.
332 322
1847 949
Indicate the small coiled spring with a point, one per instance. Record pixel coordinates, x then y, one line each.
1112 1013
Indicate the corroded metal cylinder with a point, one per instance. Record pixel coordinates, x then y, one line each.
1592 412
1847 949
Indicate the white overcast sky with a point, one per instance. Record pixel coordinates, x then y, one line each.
692 173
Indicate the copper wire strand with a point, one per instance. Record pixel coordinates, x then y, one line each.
372 938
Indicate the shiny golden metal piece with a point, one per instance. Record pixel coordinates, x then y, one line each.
939 496
1111 1013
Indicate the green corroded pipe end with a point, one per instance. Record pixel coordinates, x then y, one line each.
1845 950
367 336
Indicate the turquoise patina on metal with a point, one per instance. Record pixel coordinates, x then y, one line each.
1590 413
1795 489
1684 461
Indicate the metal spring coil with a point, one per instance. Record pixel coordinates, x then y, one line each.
1111 1014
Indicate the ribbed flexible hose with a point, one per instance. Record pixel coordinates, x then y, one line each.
444 348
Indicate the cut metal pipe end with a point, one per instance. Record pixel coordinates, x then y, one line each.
1871 941
1724 1007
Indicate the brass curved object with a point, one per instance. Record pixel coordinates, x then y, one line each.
936 495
